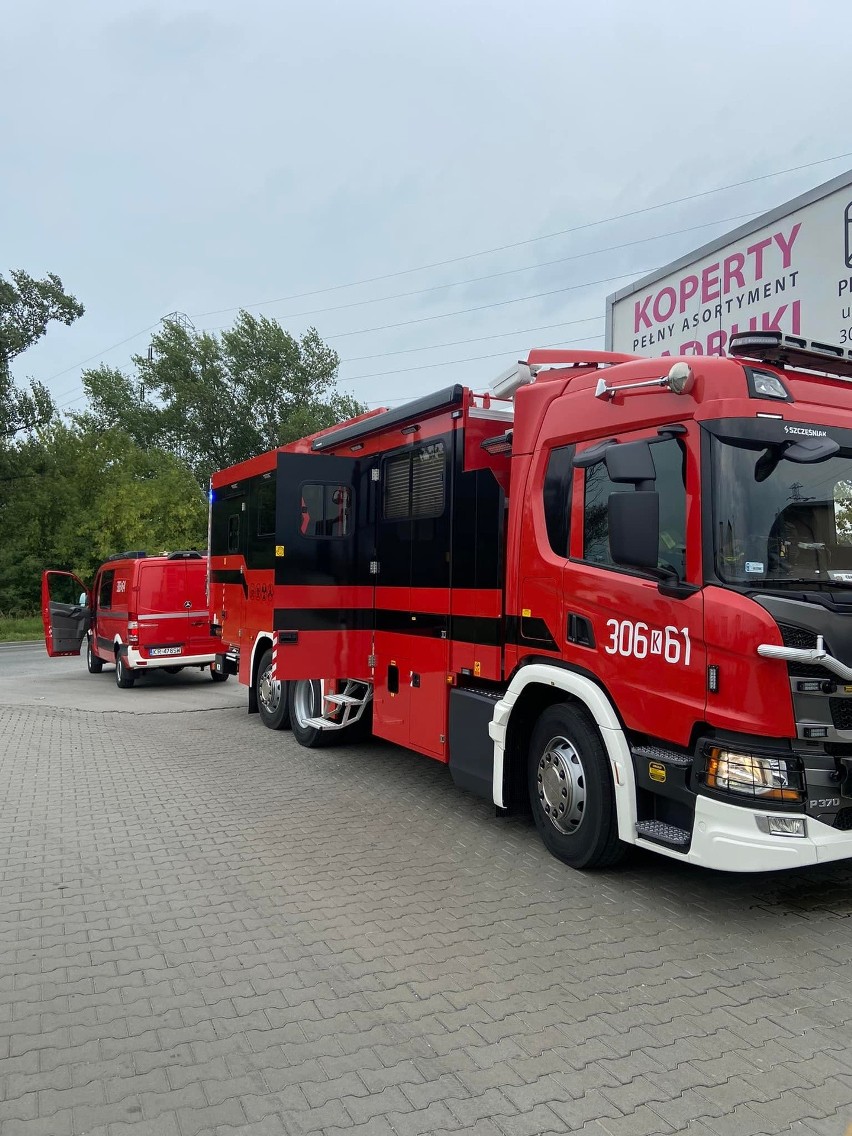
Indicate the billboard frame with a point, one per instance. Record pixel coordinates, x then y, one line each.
841 181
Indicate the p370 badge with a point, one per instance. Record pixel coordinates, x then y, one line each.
825 803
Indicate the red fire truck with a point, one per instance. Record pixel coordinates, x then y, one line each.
620 596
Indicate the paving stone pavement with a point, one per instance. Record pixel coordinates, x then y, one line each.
206 929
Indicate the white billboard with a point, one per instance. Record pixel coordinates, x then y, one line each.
789 270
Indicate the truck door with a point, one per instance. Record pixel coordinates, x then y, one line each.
323 605
64 617
647 645
413 595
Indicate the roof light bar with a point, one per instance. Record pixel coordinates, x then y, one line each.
791 351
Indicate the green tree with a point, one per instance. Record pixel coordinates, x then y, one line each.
217 400
27 306
79 496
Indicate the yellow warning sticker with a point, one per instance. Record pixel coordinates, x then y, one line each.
526 612
656 771
279 550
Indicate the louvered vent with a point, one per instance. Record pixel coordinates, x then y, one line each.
396 488
427 490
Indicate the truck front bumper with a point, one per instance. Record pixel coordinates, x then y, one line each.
727 837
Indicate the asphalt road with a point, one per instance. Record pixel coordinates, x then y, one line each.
206 929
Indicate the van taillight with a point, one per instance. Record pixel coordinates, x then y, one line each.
132 631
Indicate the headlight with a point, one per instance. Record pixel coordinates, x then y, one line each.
769 778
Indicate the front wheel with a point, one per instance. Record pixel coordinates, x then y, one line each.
94 664
124 676
570 788
271 695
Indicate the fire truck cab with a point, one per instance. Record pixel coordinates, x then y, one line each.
620 595
142 613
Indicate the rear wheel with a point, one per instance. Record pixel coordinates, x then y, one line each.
94 664
124 676
271 695
305 699
570 788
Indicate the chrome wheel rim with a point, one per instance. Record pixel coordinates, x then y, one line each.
269 691
303 702
561 785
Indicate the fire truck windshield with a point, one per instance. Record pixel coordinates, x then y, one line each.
781 521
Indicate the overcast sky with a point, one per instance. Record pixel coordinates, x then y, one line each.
167 156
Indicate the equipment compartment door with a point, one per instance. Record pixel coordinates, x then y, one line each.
64 617
323 582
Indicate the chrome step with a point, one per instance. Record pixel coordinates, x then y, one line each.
661 833
343 699
660 753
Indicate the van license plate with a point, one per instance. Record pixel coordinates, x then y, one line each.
164 651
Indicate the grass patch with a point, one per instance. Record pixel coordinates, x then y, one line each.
20 628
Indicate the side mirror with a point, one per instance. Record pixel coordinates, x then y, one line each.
634 528
630 462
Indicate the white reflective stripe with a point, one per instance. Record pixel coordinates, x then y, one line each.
170 615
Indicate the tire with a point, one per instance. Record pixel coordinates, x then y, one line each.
571 791
94 664
218 677
124 676
304 702
272 701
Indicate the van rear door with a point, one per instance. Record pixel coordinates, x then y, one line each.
160 608
199 641
64 617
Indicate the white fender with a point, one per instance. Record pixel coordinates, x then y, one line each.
606 719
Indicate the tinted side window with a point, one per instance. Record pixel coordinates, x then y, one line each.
234 533
105 591
265 508
326 510
669 464
557 498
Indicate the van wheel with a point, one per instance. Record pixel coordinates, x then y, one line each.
271 696
570 788
94 664
124 676
306 703
216 676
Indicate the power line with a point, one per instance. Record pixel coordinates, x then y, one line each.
494 304
475 339
458 362
528 241
100 354
505 271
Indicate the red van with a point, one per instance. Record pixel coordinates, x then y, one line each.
143 612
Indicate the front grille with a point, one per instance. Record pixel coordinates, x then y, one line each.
843 820
801 640
841 713
797 637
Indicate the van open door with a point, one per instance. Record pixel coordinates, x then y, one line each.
66 620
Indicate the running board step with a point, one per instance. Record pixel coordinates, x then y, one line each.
661 833
343 699
324 724
660 753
